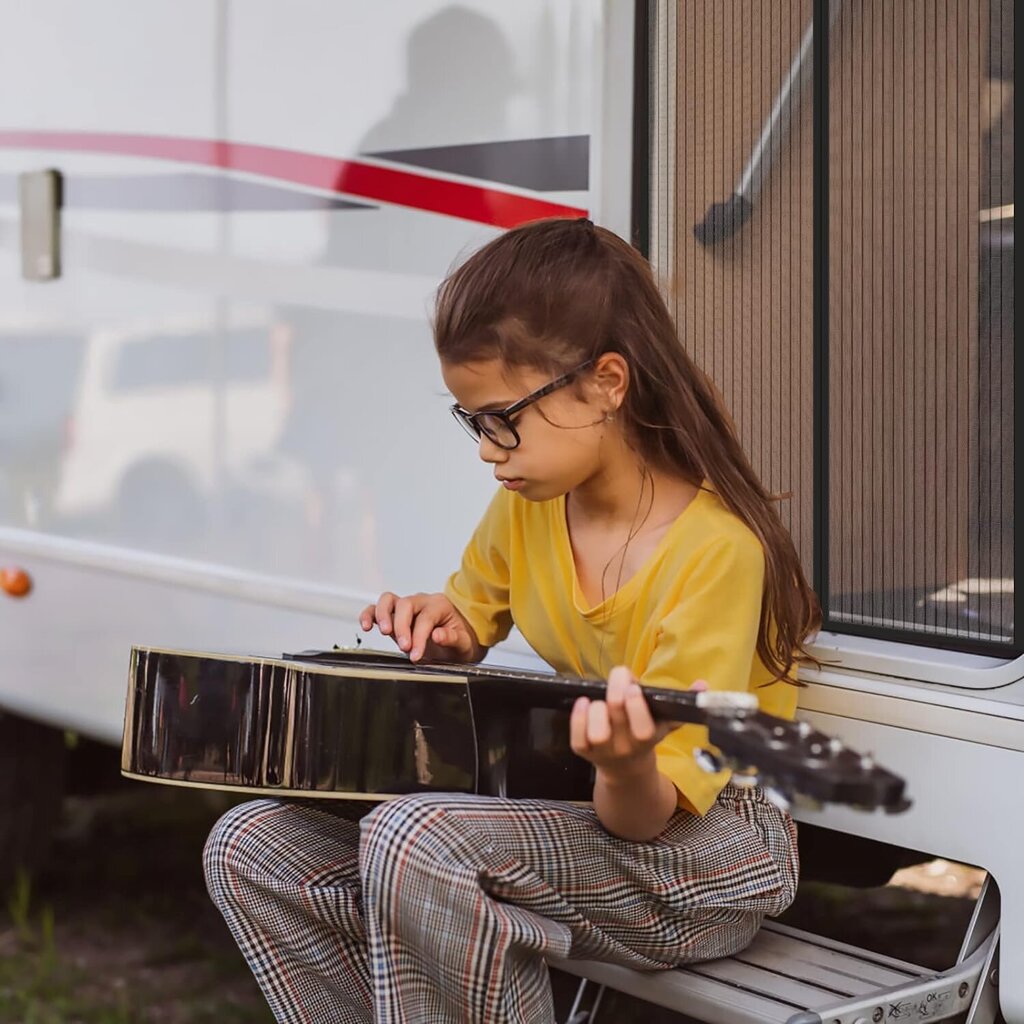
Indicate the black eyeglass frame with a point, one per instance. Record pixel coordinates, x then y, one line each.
469 420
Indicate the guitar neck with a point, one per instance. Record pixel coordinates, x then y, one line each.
561 693
545 690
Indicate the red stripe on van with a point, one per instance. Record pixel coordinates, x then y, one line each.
345 177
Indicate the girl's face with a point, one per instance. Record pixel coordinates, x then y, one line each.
560 434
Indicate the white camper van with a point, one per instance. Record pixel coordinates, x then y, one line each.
221 225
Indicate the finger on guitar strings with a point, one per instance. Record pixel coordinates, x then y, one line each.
638 714
600 727
367 617
384 610
578 741
424 628
440 636
620 680
407 609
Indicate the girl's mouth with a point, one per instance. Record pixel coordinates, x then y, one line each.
512 485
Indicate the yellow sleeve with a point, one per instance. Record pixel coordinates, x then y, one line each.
711 634
480 588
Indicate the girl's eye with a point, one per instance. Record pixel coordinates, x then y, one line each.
497 422
498 430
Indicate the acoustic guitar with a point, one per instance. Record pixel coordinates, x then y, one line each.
358 724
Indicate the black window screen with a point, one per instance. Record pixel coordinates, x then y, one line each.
838 243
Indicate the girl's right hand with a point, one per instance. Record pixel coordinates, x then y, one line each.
426 626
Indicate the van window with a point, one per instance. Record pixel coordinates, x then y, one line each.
188 360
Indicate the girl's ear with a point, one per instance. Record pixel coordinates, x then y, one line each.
611 378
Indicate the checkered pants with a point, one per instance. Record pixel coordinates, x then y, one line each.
439 908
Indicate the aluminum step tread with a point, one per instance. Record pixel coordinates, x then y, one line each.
832 969
782 973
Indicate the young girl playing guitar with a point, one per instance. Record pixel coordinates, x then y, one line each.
629 530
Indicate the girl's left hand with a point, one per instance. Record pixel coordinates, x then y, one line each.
618 734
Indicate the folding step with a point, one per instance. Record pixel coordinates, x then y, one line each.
787 976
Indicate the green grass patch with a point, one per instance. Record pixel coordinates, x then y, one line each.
116 962
36 986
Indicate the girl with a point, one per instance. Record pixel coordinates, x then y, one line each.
629 530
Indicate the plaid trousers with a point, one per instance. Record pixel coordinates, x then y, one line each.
441 907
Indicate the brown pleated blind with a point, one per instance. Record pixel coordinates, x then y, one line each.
917 418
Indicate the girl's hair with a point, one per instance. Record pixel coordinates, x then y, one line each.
550 295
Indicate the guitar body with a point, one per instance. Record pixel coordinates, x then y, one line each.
358 727
371 725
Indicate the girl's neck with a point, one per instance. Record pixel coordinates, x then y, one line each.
612 496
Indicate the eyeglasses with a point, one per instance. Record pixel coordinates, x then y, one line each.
496 424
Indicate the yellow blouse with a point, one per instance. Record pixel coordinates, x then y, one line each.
690 612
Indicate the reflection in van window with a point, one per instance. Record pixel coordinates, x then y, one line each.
180 360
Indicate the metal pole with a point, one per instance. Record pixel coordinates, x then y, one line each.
724 219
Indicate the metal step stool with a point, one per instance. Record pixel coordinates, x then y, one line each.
787 976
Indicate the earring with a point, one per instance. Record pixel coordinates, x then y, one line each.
609 416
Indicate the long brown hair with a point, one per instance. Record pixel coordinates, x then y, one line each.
554 293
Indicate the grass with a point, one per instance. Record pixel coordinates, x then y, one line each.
119 929
36 985
184 980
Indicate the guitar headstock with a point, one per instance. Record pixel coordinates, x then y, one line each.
796 763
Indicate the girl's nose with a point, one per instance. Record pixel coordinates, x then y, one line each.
490 452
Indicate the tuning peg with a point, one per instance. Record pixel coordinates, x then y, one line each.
706 761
